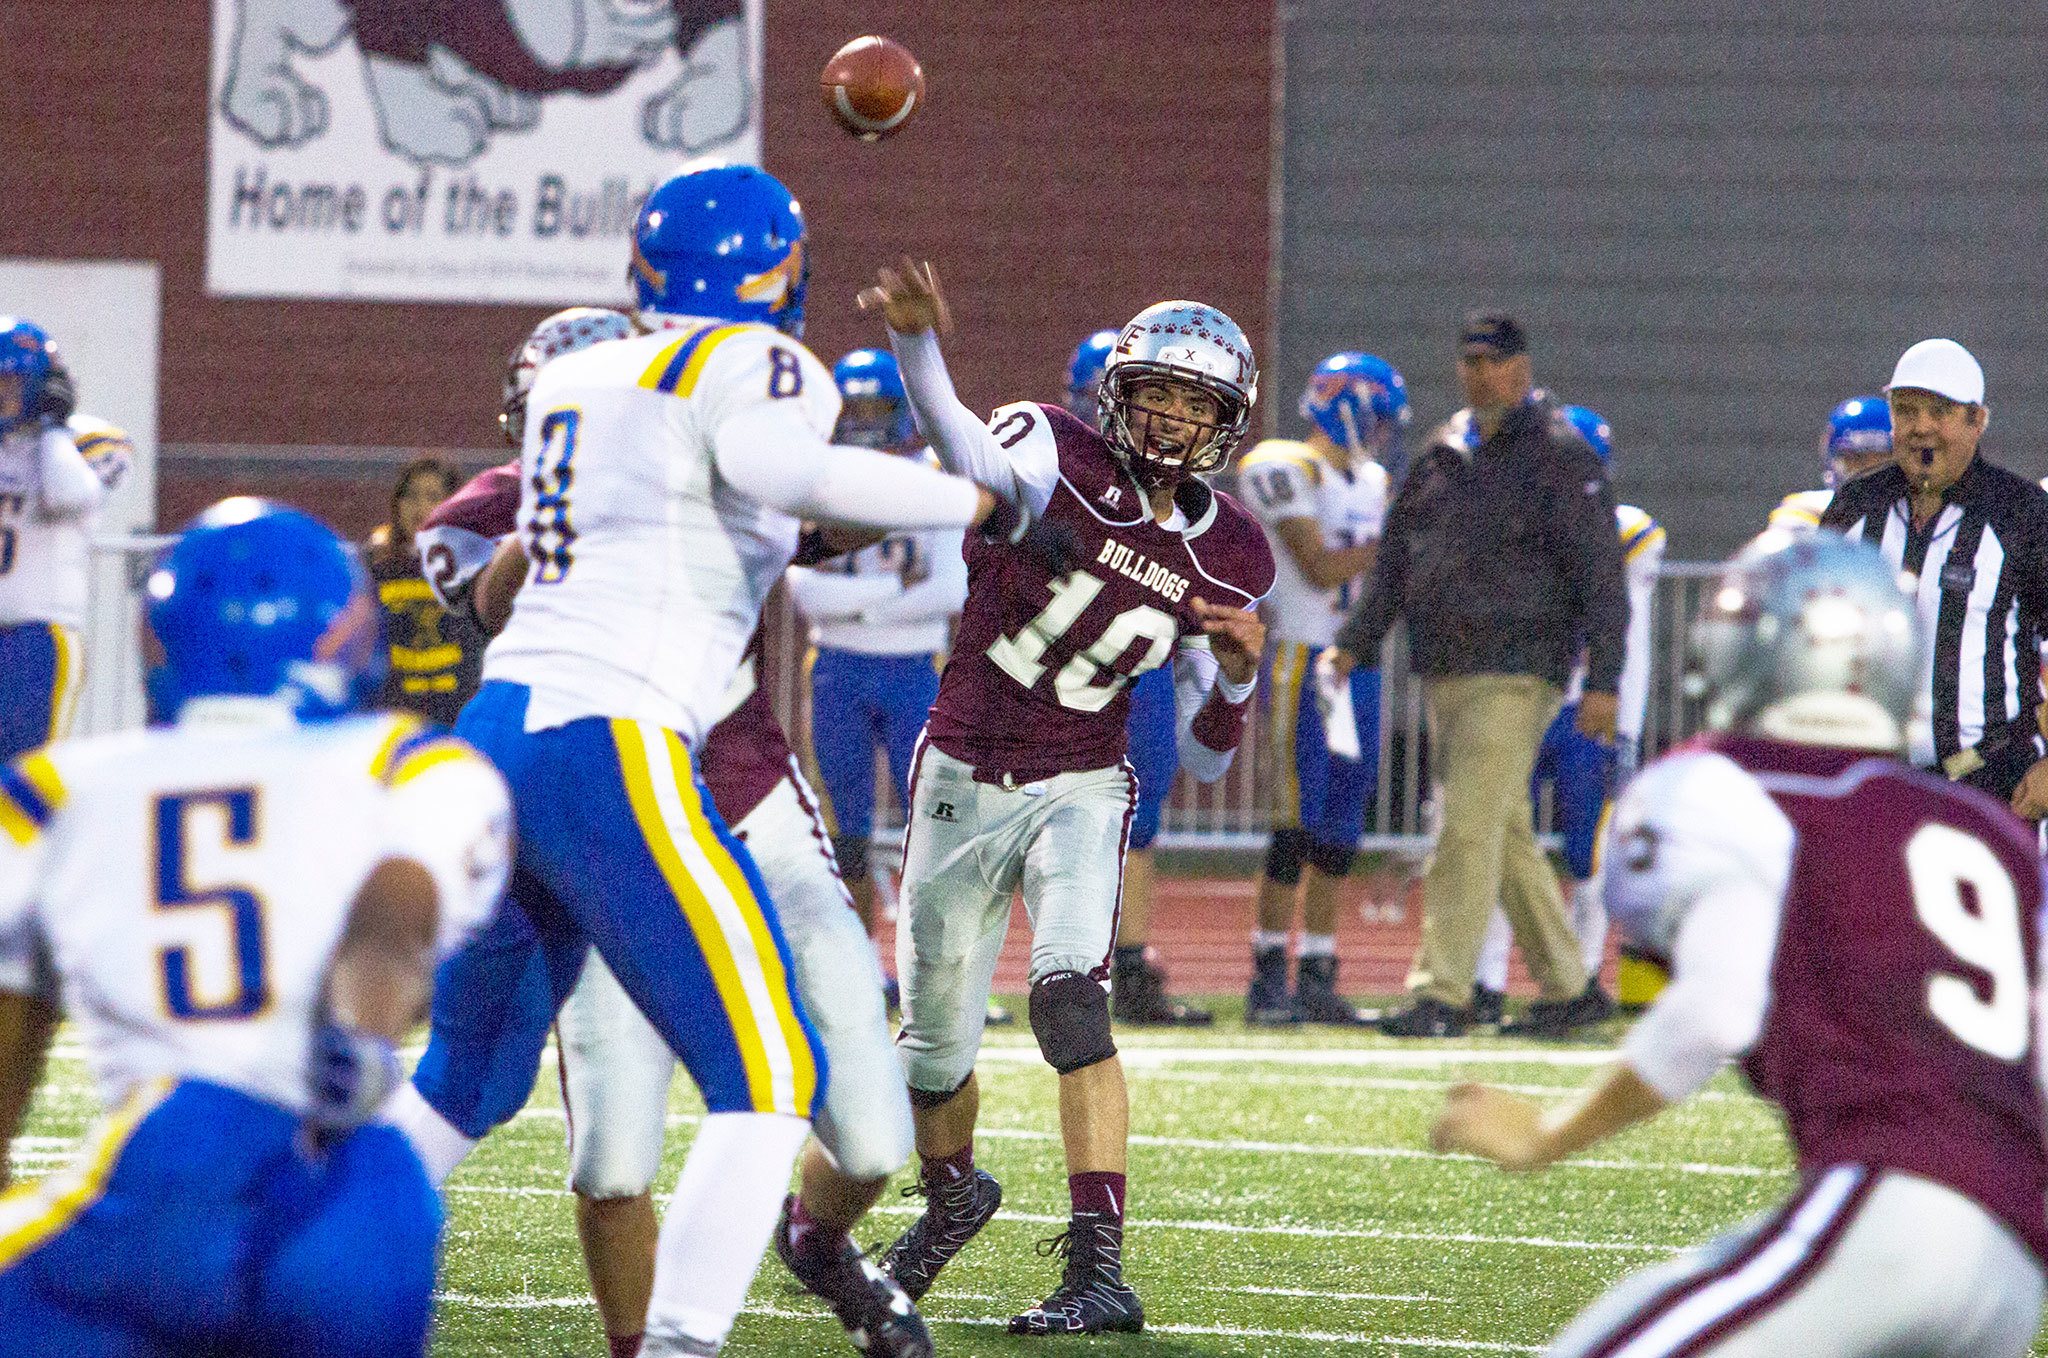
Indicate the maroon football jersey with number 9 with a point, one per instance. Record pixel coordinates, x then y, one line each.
1900 1030
1038 681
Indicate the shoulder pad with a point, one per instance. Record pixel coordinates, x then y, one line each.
1087 463
1230 549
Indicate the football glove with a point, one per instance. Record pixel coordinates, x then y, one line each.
56 397
1052 545
352 1075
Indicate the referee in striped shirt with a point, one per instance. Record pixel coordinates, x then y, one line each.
1975 536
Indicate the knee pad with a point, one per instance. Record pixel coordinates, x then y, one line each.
1070 1019
1285 855
852 853
1331 860
932 1098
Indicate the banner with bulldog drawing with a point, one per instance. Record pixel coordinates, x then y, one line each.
461 150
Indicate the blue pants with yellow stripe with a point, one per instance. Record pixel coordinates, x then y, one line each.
196 1222
1580 771
619 849
1153 728
858 702
39 682
1312 788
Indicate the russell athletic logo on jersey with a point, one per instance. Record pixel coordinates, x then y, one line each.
1128 561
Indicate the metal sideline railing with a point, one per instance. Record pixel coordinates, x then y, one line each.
1229 814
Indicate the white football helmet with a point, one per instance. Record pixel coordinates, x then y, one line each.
562 333
1188 343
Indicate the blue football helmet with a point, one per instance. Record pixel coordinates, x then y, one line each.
1084 373
725 241
26 352
1859 434
876 409
259 599
1351 396
1593 429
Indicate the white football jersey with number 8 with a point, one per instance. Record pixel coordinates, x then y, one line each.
647 570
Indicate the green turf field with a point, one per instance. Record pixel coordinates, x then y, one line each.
1282 1204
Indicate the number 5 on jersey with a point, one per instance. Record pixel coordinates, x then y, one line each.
225 947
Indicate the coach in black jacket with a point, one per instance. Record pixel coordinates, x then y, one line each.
1502 551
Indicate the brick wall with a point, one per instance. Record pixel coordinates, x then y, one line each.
1077 161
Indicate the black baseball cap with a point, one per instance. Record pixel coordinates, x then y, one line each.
1495 334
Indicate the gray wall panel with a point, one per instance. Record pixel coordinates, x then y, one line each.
1716 220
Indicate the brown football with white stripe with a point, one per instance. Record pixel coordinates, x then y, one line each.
873 87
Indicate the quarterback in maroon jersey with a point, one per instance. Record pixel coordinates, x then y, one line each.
615 1067
1862 937
1021 782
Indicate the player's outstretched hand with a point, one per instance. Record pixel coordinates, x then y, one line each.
909 299
1480 1120
1236 638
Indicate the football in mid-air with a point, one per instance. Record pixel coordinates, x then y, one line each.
873 87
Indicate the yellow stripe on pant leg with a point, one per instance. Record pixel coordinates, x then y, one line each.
33 1213
654 832
64 683
1289 665
803 1069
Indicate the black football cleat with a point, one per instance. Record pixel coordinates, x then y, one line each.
1562 1018
1092 1297
1138 997
1268 1003
1316 999
876 1311
1426 1017
954 1214
1488 1006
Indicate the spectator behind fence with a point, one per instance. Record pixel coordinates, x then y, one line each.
1500 551
435 655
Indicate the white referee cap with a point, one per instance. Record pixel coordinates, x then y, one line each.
1943 367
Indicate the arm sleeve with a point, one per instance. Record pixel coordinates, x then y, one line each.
936 597
825 596
448 810
1022 472
1595 574
1647 557
1386 591
1713 1010
1208 711
451 558
67 485
108 450
771 453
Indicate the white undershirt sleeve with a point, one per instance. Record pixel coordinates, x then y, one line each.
1195 673
770 453
1025 472
1713 1010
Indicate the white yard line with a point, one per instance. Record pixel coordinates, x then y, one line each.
529 1303
1140 1057
1311 1293
1244 1147
1217 1227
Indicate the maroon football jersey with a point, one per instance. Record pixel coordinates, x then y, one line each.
1900 1030
1038 680
744 756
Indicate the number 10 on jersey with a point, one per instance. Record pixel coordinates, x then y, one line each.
1079 684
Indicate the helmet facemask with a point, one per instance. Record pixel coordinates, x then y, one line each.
1131 428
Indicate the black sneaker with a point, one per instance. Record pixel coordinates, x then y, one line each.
1427 1017
1268 1002
1561 1018
1488 1006
876 1311
1316 998
1092 1297
953 1214
1138 996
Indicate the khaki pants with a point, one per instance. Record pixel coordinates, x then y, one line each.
1486 729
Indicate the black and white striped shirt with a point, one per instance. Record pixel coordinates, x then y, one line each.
1982 567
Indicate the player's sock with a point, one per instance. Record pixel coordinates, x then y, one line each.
1129 955
438 1143
1492 970
1589 922
717 1226
1098 1192
946 1170
1268 940
1316 945
811 1237
624 1345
